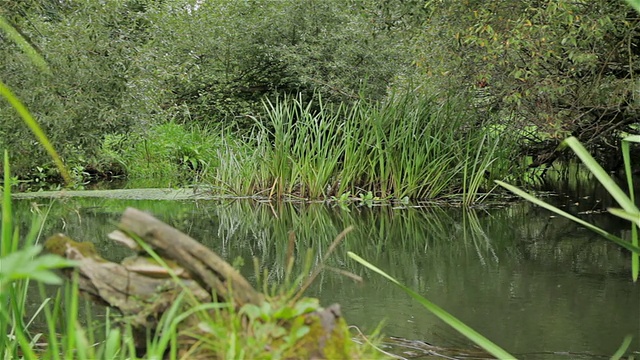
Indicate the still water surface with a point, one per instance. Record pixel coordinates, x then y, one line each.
534 284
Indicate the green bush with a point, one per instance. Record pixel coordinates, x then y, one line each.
217 61
124 66
169 154
89 47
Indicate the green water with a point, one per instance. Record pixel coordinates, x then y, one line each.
533 284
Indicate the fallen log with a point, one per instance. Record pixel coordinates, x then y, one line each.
143 295
207 268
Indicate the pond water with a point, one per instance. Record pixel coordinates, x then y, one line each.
537 285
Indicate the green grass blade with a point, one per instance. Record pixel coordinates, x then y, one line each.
634 4
601 175
633 217
31 52
623 348
452 321
35 128
72 337
112 344
627 203
635 257
626 155
554 209
25 346
6 209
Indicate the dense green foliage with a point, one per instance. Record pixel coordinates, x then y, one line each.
84 97
128 65
528 73
549 68
567 89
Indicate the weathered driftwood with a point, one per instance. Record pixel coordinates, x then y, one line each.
206 267
143 298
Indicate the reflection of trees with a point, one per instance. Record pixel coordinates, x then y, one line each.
546 240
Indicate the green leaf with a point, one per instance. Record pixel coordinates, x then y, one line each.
632 138
306 305
266 310
24 264
633 217
284 313
251 310
45 276
50 261
452 321
302 331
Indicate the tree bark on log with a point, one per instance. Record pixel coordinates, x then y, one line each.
206 267
143 298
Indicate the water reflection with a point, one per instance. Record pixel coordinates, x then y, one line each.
530 282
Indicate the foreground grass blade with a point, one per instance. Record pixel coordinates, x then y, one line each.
634 4
623 348
626 156
35 128
5 247
601 175
452 321
635 218
15 36
533 199
6 209
614 190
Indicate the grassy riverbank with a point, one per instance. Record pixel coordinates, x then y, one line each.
409 147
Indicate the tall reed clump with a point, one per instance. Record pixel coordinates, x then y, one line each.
305 147
410 146
239 165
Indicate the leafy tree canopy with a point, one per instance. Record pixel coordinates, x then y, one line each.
550 68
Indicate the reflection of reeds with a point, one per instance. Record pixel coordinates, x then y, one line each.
379 233
445 253
411 237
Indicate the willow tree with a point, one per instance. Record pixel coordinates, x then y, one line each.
546 69
88 47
